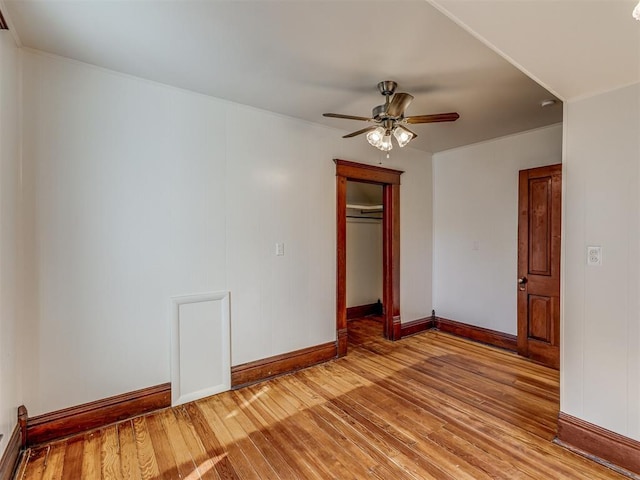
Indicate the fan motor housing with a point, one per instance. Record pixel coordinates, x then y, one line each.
379 112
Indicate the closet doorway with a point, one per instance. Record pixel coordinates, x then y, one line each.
389 181
364 251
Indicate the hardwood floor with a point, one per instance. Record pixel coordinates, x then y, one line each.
431 406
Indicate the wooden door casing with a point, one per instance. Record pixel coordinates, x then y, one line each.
390 181
539 233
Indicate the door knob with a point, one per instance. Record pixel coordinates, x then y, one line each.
522 282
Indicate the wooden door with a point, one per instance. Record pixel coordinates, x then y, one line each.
539 206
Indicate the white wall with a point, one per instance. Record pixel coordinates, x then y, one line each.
476 225
600 363
364 261
137 192
10 326
416 239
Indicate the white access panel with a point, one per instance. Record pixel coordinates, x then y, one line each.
200 346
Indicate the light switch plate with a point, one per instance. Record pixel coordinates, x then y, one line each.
279 249
594 256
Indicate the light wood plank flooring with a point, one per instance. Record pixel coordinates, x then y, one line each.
431 406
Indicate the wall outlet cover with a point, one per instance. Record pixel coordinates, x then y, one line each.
594 256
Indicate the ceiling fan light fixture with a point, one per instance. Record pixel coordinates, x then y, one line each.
403 136
375 137
636 12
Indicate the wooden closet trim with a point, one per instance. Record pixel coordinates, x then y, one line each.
390 181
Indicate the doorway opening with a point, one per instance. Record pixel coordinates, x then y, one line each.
389 180
365 211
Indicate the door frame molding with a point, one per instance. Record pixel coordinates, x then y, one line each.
390 181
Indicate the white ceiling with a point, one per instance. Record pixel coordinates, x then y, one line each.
576 48
301 58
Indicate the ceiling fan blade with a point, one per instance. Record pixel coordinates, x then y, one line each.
347 117
399 103
437 117
360 132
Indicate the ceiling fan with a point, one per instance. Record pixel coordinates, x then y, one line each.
389 119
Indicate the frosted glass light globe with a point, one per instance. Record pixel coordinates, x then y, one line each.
375 136
385 144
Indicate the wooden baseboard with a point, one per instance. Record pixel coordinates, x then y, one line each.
259 370
471 332
364 310
62 423
479 334
600 442
11 455
416 326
